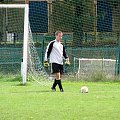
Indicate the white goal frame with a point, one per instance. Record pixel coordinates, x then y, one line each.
90 59
25 37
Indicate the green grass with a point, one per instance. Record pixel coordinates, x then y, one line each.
35 102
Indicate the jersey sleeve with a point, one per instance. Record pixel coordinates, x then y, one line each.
64 53
48 50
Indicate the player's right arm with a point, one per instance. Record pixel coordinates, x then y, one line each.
48 50
47 53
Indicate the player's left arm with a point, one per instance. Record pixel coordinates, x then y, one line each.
65 56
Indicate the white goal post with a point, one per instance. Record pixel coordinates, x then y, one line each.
89 66
25 36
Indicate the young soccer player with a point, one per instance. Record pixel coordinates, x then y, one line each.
56 51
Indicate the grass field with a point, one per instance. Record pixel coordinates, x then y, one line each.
35 102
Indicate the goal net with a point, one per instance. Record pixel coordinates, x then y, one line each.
18 54
86 67
11 37
35 69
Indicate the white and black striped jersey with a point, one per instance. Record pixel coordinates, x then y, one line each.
56 51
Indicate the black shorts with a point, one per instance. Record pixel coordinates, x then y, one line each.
57 68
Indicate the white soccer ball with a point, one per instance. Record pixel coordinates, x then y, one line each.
84 89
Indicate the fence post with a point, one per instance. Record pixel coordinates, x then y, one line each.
118 57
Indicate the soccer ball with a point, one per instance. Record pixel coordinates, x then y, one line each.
84 89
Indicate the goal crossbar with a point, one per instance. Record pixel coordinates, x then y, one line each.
13 5
93 59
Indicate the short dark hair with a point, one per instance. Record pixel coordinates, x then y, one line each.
57 32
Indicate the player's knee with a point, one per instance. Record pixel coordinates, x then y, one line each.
57 76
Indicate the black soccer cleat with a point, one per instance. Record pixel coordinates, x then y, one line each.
61 90
53 89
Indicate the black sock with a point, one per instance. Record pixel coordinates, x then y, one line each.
54 84
59 84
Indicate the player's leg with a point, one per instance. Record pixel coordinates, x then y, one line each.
54 85
59 75
55 70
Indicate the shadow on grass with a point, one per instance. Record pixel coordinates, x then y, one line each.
33 91
21 84
39 91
